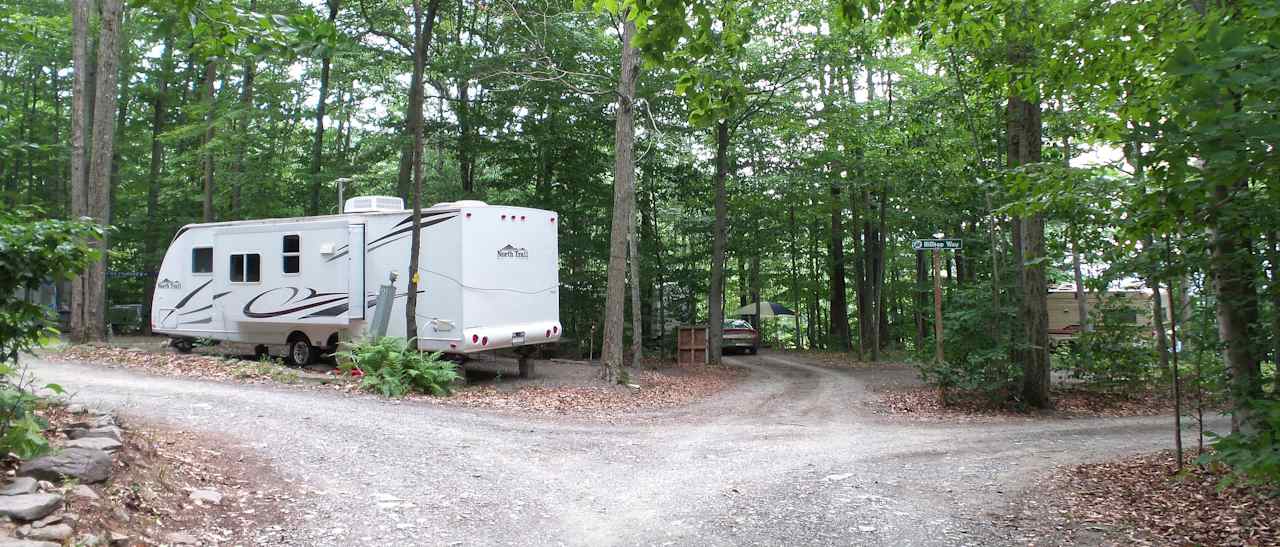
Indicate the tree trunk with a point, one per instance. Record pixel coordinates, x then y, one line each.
421 40
246 118
1273 292
1233 267
624 172
796 300
1024 148
637 321
81 124
210 73
921 300
99 180
1082 297
715 291
152 241
317 139
839 304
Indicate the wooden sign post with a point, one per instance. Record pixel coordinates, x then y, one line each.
936 245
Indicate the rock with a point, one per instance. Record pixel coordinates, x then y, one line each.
83 464
203 496
20 485
87 540
29 506
51 519
122 515
77 409
82 491
105 444
866 529
46 486
118 540
108 431
840 477
56 532
181 538
10 542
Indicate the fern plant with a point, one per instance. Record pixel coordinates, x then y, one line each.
392 367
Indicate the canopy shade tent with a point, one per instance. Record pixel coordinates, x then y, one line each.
767 309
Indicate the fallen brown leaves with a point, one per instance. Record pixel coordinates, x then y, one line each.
926 402
169 363
1139 500
655 389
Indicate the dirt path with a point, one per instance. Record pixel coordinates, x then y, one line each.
790 456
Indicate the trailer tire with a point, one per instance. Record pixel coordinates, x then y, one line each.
183 345
300 351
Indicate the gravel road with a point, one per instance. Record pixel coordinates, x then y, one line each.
790 456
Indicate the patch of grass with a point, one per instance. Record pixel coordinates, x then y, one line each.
266 368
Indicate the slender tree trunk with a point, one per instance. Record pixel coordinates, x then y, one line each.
210 74
1273 292
921 299
637 321
624 172
247 115
421 40
99 179
715 292
796 300
151 239
1082 297
317 139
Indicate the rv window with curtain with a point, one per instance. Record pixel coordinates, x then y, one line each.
292 254
246 268
202 260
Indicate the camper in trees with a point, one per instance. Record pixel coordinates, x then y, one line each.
488 279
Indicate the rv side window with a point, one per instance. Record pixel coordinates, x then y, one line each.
202 260
292 254
246 268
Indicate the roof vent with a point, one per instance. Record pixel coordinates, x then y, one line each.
373 204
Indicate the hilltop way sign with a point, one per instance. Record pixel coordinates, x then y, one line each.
936 244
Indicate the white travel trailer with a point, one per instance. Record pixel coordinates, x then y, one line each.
488 279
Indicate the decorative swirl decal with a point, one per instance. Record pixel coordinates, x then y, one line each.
303 304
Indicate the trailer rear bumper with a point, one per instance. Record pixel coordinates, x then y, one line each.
488 338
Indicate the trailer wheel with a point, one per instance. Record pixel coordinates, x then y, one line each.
183 345
301 352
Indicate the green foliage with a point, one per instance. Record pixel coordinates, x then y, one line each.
33 250
977 356
393 368
1117 352
1252 454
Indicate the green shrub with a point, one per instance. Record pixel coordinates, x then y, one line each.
1117 352
977 358
1252 454
392 367
33 249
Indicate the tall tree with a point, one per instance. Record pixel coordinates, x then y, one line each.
99 177
81 124
317 141
624 173
422 27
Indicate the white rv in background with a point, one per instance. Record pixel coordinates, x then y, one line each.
488 279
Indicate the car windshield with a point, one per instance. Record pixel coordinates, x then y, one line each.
736 324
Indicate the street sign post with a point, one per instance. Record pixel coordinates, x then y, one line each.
936 245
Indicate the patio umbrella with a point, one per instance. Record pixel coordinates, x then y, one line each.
767 309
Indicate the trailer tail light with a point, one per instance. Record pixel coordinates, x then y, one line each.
453 346
484 341
504 217
475 338
548 333
555 330
468 215
521 218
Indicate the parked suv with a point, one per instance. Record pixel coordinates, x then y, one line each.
739 335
